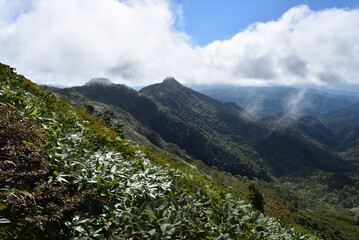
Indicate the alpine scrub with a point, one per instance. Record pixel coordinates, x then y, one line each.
64 175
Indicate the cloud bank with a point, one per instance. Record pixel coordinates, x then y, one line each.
135 42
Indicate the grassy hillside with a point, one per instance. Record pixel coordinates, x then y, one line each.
64 175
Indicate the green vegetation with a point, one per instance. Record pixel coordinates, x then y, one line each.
342 118
222 135
233 147
323 203
63 175
256 197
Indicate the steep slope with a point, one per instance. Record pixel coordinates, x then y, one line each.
202 143
206 128
349 144
64 175
304 125
267 147
266 101
135 130
344 123
223 135
342 118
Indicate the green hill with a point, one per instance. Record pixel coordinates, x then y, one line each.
64 175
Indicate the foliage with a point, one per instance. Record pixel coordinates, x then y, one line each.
322 203
256 197
71 177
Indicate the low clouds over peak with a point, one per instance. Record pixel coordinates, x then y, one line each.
135 42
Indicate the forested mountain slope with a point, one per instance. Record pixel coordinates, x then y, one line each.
304 125
223 135
342 118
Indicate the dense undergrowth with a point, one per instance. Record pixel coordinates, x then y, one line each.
64 175
322 203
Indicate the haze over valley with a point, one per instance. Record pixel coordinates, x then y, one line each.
179 119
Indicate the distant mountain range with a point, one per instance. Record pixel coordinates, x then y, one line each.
178 119
266 101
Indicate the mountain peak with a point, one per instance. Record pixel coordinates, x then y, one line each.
99 81
171 81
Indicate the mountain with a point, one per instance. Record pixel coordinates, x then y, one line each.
342 118
222 135
65 175
304 125
344 123
266 101
116 101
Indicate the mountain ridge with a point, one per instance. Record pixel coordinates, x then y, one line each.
220 134
91 183
266 101
65 175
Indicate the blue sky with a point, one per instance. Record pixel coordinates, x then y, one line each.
140 42
209 20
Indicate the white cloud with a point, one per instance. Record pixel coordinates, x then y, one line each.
135 42
299 48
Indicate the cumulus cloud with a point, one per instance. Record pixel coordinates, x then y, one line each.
136 42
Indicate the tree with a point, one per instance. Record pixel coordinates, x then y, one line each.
90 109
256 197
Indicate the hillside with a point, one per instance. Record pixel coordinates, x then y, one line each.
299 147
342 118
304 125
344 123
222 135
64 175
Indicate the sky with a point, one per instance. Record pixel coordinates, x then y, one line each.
209 20
140 42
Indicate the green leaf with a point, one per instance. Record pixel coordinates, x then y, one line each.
161 220
152 232
60 178
4 221
99 167
80 230
228 196
100 237
32 111
168 228
79 186
142 226
3 207
49 147
151 215
113 169
11 105
129 229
